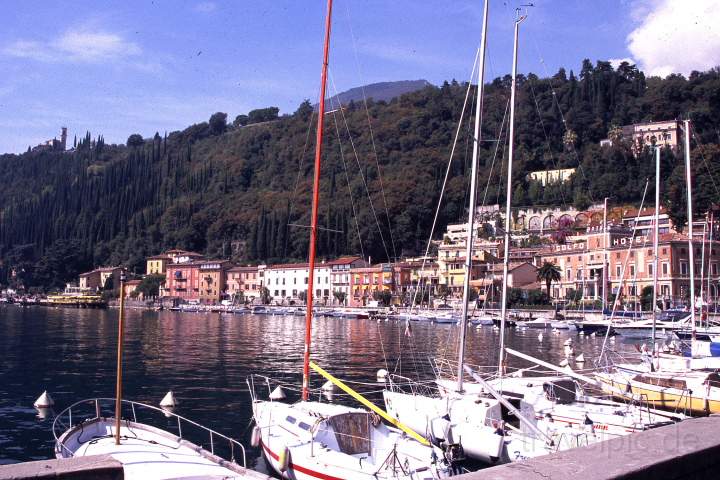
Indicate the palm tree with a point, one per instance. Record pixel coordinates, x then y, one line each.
548 273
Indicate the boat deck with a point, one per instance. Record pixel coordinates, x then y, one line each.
149 453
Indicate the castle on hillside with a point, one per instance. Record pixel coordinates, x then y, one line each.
53 144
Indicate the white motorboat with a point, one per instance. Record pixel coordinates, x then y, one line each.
562 400
476 423
145 451
643 328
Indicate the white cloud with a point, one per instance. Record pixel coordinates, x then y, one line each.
75 45
205 7
676 36
615 62
96 46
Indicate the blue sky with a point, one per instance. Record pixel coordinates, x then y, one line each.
122 67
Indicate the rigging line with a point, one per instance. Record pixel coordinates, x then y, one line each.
562 115
547 139
497 147
372 134
447 174
299 174
702 155
347 179
357 160
622 272
503 167
468 136
382 346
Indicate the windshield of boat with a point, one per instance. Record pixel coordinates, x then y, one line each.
560 391
353 432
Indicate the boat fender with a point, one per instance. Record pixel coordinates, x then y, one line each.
255 437
284 459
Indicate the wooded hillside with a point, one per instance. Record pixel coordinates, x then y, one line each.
242 189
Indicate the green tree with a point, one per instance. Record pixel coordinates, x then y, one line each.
549 273
265 297
150 285
241 121
263 115
646 298
135 140
339 296
442 292
218 123
383 296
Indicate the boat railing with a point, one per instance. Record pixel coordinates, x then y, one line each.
92 409
401 384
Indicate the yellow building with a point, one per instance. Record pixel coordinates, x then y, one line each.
451 266
157 264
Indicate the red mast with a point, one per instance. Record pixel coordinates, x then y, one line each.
316 195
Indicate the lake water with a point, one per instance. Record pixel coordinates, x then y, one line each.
205 359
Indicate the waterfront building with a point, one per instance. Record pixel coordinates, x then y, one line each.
157 264
202 281
489 285
98 279
288 282
340 277
629 266
130 287
243 284
451 265
368 283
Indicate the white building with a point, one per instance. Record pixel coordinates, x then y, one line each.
286 282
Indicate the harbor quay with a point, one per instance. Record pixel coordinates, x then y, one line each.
690 449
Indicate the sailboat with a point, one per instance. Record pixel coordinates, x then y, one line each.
89 428
316 440
476 424
509 418
671 381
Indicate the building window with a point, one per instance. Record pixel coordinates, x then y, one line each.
569 274
650 269
632 270
714 269
665 268
683 268
617 270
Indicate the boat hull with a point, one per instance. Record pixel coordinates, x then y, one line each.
665 398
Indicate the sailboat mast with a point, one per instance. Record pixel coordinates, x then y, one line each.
603 301
655 242
691 259
508 196
473 200
316 196
120 345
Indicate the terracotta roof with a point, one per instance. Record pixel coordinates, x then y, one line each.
197 263
288 266
162 256
245 268
343 260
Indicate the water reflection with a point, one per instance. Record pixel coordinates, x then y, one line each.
205 358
